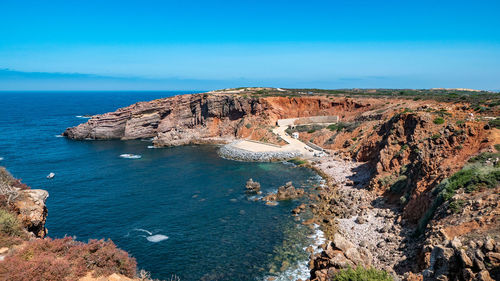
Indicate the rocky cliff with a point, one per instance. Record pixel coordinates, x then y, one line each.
414 204
206 118
28 204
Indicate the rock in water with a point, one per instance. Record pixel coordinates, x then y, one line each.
285 192
252 186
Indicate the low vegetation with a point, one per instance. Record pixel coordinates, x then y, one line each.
297 161
495 123
362 274
66 259
11 231
438 121
481 172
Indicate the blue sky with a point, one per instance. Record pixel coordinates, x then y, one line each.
203 45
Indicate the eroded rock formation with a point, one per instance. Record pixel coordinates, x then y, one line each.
206 118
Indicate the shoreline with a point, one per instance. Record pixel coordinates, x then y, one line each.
348 212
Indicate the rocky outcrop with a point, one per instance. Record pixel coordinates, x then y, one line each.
32 211
338 254
252 186
464 243
206 118
285 192
28 204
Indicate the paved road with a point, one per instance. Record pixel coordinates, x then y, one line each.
293 144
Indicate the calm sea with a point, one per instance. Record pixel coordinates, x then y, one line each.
187 194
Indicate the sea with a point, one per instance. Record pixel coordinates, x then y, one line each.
178 211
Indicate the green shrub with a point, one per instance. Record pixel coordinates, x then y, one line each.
355 139
435 136
495 123
457 206
483 157
362 274
472 177
460 122
248 125
438 121
399 185
9 225
497 147
336 127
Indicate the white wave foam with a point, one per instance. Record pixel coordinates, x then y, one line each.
59 136
151 146
81 116
156 238
301 268
143 230
1 158
130 156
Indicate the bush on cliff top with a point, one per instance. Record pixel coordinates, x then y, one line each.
438 121
11 231
9 225
362 274
66 259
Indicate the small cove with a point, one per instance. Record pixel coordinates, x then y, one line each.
178 210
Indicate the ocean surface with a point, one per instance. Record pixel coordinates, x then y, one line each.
179 211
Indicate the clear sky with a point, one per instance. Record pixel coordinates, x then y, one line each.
203 45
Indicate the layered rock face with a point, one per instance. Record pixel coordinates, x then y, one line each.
205 118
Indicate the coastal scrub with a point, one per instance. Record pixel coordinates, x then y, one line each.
365 274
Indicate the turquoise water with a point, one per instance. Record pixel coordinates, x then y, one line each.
187 194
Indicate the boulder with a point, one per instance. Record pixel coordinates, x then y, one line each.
252 186
341 243
285 192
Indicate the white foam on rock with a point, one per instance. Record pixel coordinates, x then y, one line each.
157 238
301 268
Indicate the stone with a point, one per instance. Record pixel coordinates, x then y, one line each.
456 243
489 244
360 220
285 192
4 250
484 275
341 243
252 186
340 261
353 255
493 259
466 261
